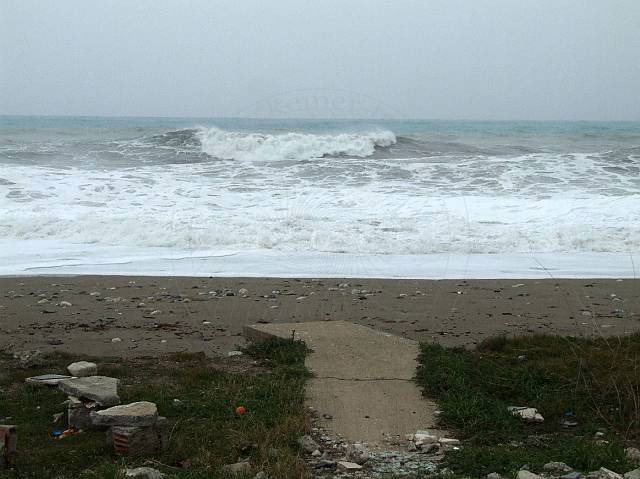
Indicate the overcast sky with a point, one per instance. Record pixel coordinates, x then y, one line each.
454 59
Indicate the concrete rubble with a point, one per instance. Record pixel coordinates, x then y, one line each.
101 389
141 413
136 440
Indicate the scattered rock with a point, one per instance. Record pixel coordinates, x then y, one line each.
529 414
244 292
65 304
633 454
47 379
141 413
571 475
143 473
101 389
357 453
523 474
635 474
447 441
557 467
308 444
116 340
348 466
494 475
82 369
234 353
238 469
605 473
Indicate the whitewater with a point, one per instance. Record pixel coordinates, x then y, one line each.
318 199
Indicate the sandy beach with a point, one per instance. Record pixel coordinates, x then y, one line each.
154 315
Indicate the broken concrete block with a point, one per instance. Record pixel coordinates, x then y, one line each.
8 444
143 473
348 466
47 379
101 389
141 413
136 440
82 369
238 469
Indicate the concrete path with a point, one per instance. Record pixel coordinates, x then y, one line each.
362 379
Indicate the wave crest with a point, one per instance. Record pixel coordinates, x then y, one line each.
231 145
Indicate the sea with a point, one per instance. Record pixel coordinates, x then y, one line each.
319 198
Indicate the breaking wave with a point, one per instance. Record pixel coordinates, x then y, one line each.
232 145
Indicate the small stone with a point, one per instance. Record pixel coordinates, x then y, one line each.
635 474
143 473
523 474
494 475
529 414
234 353
238 469
261 475
116 340
358 453
633 454
571 475
101 389
411 447
605 473
316 453
308 444
449 441
244 292
82 369
65 304
141 413
557 467
348 466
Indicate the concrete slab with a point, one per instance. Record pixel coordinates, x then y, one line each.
363 380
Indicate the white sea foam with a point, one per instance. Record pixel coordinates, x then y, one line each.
230 145
300 200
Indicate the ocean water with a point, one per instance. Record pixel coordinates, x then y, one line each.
319 198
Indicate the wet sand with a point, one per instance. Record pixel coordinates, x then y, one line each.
154 315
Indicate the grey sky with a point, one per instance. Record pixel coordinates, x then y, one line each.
479 59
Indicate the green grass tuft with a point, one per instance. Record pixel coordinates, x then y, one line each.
593 382
206 433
